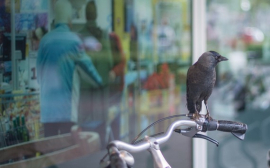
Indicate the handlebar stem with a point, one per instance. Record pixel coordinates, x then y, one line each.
159 160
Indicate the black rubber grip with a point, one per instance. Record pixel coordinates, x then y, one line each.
231 126
117 162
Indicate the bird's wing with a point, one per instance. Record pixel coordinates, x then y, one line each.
214 78
191 80
191 76
211 86
188 80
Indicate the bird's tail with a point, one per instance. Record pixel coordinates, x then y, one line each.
194 107
191 107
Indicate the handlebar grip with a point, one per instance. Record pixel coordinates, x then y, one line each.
236 128
231 126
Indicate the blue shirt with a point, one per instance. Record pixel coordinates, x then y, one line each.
60 64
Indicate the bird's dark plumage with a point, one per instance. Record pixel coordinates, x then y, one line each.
201 78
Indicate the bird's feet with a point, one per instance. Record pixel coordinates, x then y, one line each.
208 117
196 116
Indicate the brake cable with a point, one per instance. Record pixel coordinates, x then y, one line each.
154 123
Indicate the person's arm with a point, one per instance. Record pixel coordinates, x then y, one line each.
119 68
87 70
119 61
84 64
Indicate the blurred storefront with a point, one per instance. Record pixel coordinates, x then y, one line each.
239 30
140 48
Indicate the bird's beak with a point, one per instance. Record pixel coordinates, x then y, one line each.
221 58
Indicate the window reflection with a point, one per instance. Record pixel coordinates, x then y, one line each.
88 72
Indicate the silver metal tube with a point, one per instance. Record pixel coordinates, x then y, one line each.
131 148
163 138
160 139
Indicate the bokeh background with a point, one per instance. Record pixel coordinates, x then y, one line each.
153 42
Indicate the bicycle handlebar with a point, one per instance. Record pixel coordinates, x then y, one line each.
236 128
159 139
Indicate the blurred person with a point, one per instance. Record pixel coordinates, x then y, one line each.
60 63
110 65
37 34
119 64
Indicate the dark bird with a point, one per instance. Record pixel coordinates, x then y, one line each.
201 78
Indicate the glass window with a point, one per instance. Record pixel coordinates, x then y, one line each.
239 30
76 74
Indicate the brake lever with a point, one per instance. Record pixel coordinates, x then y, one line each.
239 135
192 133
189 132
206 138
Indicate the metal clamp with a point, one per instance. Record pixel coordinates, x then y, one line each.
159 160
